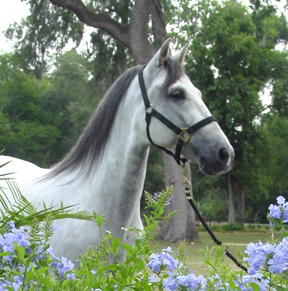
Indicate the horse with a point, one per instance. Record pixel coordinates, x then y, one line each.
105 170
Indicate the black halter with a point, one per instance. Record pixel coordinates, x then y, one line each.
181 132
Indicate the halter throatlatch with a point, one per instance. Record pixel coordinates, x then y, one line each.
183 134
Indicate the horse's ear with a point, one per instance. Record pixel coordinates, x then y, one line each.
180 55
161 55
164 52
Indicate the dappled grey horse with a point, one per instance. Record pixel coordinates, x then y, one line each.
105 170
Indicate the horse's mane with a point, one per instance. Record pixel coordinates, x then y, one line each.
91 142
94 136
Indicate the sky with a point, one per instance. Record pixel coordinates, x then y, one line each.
11 11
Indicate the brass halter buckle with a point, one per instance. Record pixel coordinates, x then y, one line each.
184 131
186 185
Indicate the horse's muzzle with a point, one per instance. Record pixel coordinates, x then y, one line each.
218 162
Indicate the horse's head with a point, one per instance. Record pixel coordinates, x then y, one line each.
172 97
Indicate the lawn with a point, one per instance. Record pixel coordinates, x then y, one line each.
236 243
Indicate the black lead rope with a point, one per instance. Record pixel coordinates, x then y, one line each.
181 140
218 242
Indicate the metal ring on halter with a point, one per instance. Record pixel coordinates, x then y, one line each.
150 106
180 136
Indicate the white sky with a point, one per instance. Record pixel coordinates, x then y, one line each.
11 11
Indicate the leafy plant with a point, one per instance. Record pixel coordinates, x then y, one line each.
27 261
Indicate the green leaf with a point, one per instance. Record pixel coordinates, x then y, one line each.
5 254
65 283
30 275
115 245
255 286
42 270
139 265
127 247
21 252
47 282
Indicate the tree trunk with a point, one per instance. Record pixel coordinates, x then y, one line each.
241 206
231 214
182 225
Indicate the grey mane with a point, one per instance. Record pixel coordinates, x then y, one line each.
91 142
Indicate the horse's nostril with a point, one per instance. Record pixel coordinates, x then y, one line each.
223 156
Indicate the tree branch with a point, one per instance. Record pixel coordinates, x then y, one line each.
98 20
158 22
142 50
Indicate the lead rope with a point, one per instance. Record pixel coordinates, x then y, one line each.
186 185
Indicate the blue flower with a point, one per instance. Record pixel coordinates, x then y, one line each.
56 227
170 283
155 263
280 200
62 266
275 211
158 261
257 255
153 278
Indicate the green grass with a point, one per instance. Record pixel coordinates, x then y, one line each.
236 243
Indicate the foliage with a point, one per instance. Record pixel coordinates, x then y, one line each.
25 130
69 101
231 59
28 263
45 30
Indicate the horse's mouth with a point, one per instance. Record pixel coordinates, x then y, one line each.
214 169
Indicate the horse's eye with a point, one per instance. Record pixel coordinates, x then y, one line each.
178 94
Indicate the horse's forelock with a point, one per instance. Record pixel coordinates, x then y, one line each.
174 71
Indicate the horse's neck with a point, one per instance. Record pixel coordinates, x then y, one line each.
123 167
115 183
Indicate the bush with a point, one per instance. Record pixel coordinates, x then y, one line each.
233 226
28 263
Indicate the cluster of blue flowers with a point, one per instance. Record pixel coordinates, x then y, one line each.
273 256
14 237
278 212
178 279
241 283
177 273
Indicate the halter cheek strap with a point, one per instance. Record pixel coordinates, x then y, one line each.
183 134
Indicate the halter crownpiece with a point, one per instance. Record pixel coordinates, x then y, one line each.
183 134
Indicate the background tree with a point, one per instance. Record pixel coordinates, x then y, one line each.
69 101
227 60
42 35
25 130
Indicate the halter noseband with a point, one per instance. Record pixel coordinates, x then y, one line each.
181 132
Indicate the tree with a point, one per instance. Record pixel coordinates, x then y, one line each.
69 101
25 131
42 34
129 24
226 60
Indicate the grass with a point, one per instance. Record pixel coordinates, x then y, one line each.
236 243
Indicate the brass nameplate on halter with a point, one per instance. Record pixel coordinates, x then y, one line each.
184 131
